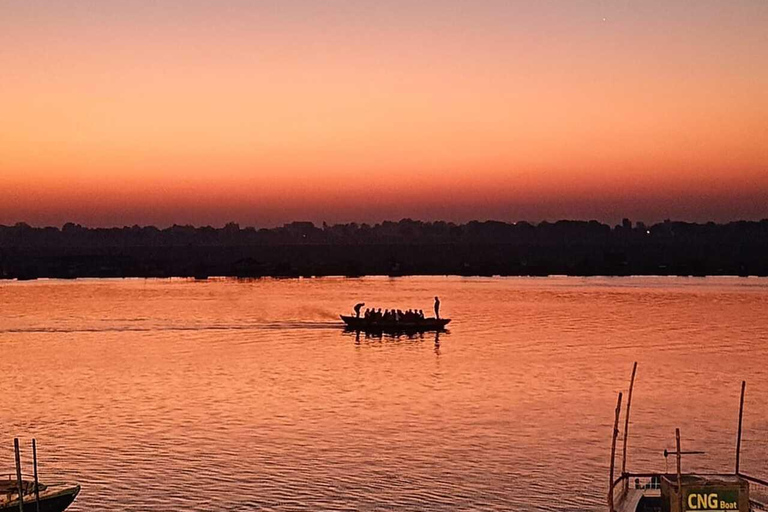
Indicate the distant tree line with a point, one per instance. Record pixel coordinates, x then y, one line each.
406 247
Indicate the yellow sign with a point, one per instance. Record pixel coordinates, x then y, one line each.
713 501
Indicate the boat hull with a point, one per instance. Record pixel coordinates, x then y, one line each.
57 502
427 324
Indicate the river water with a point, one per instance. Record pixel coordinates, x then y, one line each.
248 395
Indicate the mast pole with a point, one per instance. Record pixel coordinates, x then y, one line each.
741 416
19 483
679 471
613 453
626 428
37 484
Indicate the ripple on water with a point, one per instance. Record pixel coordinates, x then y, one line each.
157 395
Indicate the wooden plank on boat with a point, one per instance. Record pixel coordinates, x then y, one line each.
630 501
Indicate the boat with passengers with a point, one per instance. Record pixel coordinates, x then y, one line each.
394 320
680 491
378 325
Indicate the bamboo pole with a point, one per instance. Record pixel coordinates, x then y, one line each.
18 473
741 415
613 453
37 485
626 428
679 472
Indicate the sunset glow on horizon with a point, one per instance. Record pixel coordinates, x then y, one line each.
125 112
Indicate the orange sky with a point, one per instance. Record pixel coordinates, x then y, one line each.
201 112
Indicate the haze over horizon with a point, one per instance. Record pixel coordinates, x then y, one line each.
191 112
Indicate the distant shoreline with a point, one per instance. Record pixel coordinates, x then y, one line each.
284 278
405 248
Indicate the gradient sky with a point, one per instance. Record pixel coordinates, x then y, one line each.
262 112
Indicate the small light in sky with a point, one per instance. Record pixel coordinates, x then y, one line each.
603 19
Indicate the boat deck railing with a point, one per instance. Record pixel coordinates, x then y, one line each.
648 482
28 484
758 492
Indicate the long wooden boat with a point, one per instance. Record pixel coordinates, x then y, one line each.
52 498
423 325
680 491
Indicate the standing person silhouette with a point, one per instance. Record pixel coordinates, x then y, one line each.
437 308
357 308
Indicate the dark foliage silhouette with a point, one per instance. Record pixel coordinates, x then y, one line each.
406 247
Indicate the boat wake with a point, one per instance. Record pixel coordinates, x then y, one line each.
276 326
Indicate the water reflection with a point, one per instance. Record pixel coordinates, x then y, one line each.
396 336
242 395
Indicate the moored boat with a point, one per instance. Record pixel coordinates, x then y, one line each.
18 493
679 491
52 497
368 325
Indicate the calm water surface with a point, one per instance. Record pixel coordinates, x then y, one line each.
243 395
